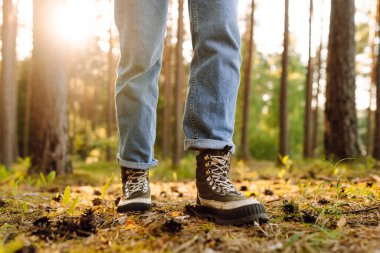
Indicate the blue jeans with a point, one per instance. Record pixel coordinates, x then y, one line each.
214 76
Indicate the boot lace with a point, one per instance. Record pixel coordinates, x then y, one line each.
137 180
217 174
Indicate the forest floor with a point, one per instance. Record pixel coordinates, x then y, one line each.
312 208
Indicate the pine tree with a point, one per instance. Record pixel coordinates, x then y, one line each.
48 136
247 85
284 88
8 84
341 126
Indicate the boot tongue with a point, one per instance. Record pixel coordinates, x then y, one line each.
213 152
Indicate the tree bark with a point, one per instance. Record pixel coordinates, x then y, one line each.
315 135
246 154
178 151
8 101
48 136
314 145
110 96
307 150
284 88
341 126
373 34
376 137
28 102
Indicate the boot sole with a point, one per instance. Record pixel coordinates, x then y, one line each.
134 207
237 216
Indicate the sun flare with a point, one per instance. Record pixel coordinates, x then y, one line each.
73 20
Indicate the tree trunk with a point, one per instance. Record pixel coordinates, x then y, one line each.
110 95
308 94
28 102
166 123
341 126
8 85
247 87
284 88
376 139
178 151
75 115
318 90
49 137
374 34
314 145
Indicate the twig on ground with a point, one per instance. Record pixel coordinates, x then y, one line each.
260 228
274 200
362 210
186 244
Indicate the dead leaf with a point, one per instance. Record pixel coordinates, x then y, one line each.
175 214
130 224
342 222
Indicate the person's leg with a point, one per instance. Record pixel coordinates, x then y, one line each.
210 111
214 74
141 25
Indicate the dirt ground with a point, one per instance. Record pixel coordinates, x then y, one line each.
307 214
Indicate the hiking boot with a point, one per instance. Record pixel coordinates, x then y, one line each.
136 191
217 198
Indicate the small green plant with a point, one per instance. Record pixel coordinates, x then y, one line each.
14 185
336 169
294 238
51 176
73 205
4 173
43 178
66 196
285 163
105 186
24 207
31 181
12 246
38 183
66 200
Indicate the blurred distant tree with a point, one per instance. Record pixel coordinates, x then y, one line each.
308 94
315 113
48 136
373 36
376 139
8 137
178 149
27 109
247 84
315 132
341 126
110 96
284 87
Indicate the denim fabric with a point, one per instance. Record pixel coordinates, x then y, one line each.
214 76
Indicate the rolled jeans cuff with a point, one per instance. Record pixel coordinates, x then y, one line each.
198 144
136 165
